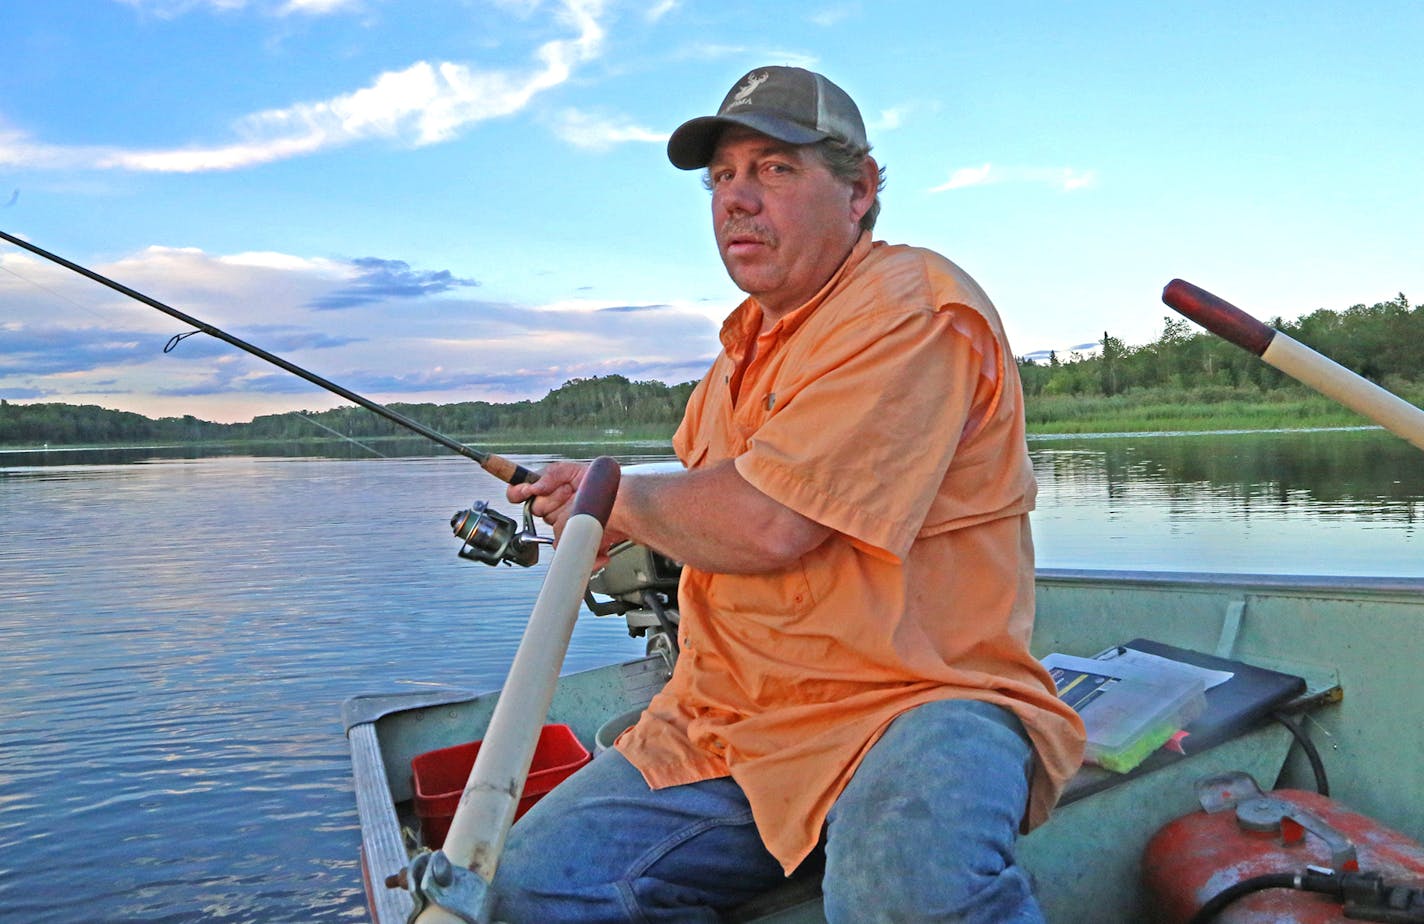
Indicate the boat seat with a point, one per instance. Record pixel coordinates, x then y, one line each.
797 899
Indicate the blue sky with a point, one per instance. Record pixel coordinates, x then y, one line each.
445 201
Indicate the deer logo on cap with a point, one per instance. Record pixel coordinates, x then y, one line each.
744 95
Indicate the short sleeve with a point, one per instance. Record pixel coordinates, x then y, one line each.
862 446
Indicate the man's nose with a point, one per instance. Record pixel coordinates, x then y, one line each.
738 195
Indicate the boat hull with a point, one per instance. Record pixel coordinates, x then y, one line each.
1355 641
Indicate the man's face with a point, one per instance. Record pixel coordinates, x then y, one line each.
784 223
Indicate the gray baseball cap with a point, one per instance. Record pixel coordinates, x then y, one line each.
789 104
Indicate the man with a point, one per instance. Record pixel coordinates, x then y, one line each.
857 593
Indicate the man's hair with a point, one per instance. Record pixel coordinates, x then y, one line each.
844 163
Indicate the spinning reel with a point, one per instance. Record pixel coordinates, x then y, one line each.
493 537
637 582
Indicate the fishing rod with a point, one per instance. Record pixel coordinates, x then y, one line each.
498 466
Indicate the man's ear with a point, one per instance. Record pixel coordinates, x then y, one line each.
864 189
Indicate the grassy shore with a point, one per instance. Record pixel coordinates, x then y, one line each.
1213 408
1151 414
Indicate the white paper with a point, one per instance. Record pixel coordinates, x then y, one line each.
1131 656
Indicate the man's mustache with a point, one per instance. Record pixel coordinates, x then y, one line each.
744 229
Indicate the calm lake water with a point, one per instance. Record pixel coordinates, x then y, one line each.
177 635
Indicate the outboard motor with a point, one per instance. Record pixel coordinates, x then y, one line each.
641 585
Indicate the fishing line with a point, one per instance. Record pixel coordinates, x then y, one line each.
333 431
59 295
173 342
503 469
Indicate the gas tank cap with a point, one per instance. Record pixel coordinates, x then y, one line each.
1263 814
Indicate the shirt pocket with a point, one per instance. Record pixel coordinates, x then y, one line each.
771 598
696 454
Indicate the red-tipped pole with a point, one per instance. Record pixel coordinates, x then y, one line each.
1297 360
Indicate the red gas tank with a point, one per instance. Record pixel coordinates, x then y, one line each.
1242 833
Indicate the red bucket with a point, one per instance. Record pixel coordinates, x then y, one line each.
438 778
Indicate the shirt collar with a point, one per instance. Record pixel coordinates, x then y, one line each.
743 325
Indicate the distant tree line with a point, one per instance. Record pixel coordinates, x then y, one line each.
581 405
1383 342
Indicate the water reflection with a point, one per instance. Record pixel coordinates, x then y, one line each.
285 449
386 448
1339 502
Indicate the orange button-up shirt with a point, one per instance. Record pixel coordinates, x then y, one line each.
889 409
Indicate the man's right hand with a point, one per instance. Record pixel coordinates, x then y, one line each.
553 492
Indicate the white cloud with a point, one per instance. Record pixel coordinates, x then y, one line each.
1077 179
422 104
660 9
171 9
601 131
707 51
833 15
317 7
1064 178
17 149
286 262
65 339
965 177
889 119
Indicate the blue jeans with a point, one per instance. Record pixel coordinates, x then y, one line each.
924 831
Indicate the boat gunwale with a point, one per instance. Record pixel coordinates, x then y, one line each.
371 707
1300 583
